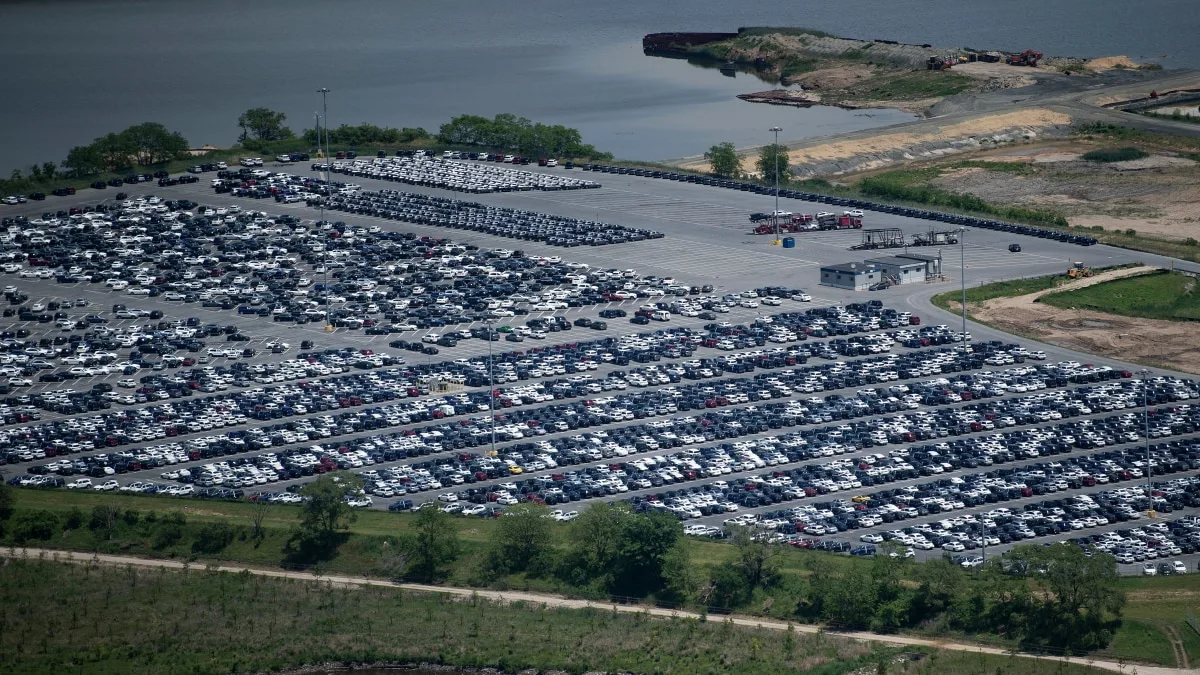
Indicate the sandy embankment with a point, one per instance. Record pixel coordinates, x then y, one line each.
928 139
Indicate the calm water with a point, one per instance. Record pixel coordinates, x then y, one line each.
74 69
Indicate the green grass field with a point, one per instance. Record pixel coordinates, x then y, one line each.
1166 295
74 618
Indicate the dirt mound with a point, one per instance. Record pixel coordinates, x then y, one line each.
1110 62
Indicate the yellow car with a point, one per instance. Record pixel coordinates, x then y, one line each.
860 499
514 470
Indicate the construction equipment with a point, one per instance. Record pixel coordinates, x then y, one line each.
1026 58
1079 271
937 63
991 57
891 237
935 238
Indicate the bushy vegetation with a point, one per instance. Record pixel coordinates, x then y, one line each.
904 185
367 134
66 618
1107 155
509 133
142 145
607 551
915 85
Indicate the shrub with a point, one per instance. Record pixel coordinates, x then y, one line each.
213 538
34 525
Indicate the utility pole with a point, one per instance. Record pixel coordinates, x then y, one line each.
962 247
1146 431
775 151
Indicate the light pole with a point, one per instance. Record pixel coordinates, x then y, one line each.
962 248
323 91
775 151
1146 432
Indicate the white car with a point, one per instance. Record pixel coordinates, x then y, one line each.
1149 570
802 297
80 484
107 486
853 213
1178 567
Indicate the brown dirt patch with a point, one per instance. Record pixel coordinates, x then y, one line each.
1169 344
882 143
1110 62
842 76
1157 195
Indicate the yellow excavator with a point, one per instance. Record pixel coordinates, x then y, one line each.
1078 271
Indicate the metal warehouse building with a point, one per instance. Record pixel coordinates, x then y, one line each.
851 276
900 270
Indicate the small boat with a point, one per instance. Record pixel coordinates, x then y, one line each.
728 66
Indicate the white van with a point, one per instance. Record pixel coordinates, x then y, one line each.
661 315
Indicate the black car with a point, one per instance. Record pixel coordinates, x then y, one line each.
612 313
99 185
1015 248
640 320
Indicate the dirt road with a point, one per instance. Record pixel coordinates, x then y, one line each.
558 601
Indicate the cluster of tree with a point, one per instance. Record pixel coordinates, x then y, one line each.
509 133
325 517
261 126
366 134
140 145
772 159
1057 596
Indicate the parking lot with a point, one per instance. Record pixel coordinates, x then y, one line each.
743 391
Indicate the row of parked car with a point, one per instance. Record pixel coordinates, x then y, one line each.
440 172
110 429
494 220
809 444
862 204
928 504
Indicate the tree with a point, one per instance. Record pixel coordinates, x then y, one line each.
153 143
263 124
522 538
84 160
432 546
7 501
756 555
258 514
1081 603
325 511
767 162
724 160
679 573
115 151
593 540
645 540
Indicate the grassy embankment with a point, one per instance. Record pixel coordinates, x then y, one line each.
977 295
1164 295
68 618
787 59
374 531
